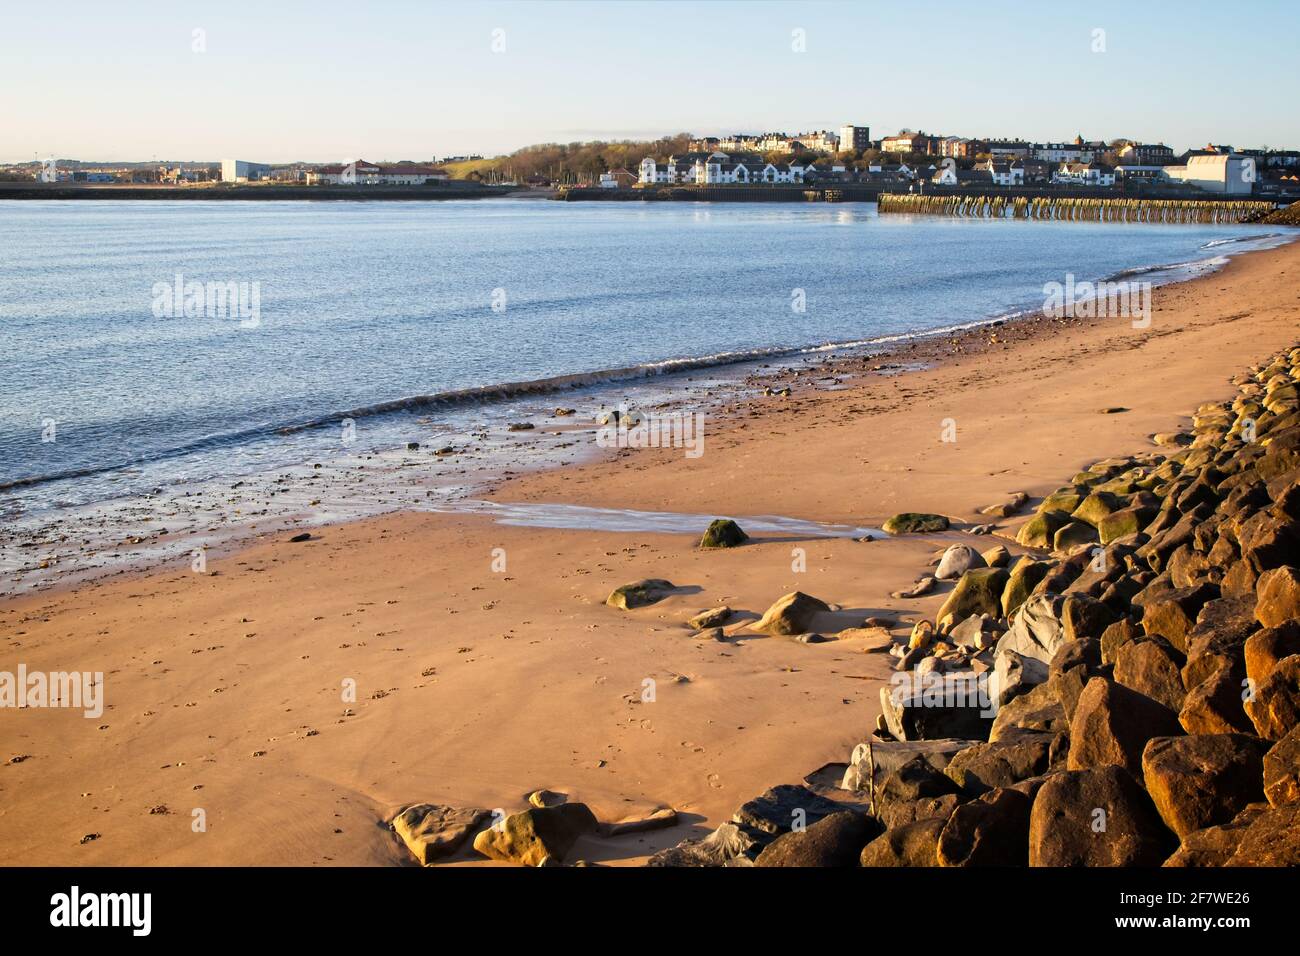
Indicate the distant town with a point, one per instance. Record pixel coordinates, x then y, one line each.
908 161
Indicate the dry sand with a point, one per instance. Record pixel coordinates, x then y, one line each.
475 685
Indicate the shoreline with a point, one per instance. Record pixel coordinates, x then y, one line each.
228 681
736 375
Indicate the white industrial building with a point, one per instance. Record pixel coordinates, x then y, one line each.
242 171
362 173
1231 174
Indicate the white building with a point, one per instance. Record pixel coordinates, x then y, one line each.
720 169
242 171
855 137
362 173
1228 173
1004 172
1084 174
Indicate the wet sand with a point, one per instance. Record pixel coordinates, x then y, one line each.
476 684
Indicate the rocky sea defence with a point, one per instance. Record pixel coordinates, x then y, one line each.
1126 692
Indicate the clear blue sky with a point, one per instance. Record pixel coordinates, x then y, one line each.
387 79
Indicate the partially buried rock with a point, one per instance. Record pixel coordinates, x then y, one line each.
1096 817
957 560
432 831
792 613
728 845
532 835
921 588
547 798
912 522
657 820
1202 780
713 617
639 593
723 533
833 841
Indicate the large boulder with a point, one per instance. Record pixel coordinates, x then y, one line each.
913 522
1214 706
916 780
873 760
1035 635
723 533
1096 817
1112 725
1282 770
639 593
1275 707
1265 649
782 808
833 841
432 831
957 560
978 592
1152 666
1203 780
933 706
1025 576
1173 615
536 834
1040 530
987 766
1258 836
1073 665
992 830
1278 596
913 844
1037 711
792 613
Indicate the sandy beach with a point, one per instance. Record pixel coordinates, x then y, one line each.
486 663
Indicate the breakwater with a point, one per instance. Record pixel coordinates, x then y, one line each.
1074 209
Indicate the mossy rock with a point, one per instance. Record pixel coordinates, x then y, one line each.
915 522
1073 534
1024 577
723 533
1097 506
978 591
1087 479
1124 522
1039 530
1066 499
792 613
639 593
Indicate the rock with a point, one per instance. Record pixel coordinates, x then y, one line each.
979 631
713 617
432 831
997 557
1073 665
657 820
728 845
639 593
992 830
1275 706
957 560
1125 522
1203 780
1096 507
1096 817
978 592
1278 596
1259 836
297 538
1173 615
1035 635
1025 576
1116 636
1282 770
876 759
987 766
1040 530
913 844
915 780
779 808
834 841
532 835
921 588
1265 649
1085 617
1218 639
547 798
1007 508
723 533
1072 534
899 813
792 613
1152 666
811 637
1214 706
912 522
936 707
1037 711
1112 725
922 635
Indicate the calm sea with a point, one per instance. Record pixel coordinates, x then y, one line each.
383 313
